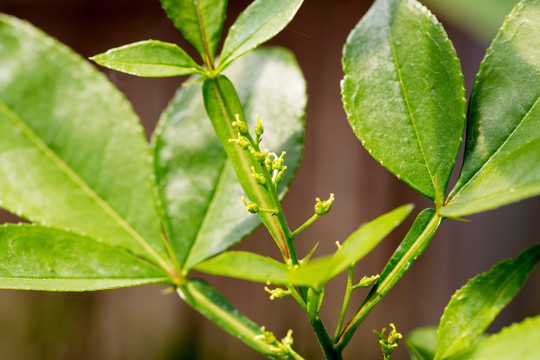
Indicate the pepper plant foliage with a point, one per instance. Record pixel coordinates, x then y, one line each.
108 210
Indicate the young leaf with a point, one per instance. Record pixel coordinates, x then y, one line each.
319 271
474 306
204 214
516 342
40 258
247 266
258 23
149 58
72 152
403 93
200 21
412 246
206 300
421 343
502 155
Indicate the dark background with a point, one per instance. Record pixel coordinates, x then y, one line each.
143 323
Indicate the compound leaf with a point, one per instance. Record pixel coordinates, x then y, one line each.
40 258
403 93
258 23
472 308
502 154
72 152
149 58
204 214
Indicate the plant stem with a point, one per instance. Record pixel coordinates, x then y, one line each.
326 343
385 284
305 225
222 104
346 300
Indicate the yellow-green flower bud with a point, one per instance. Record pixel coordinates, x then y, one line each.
323 207
251 206
259 129
240 126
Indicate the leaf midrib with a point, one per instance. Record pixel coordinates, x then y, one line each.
156 64
411 117
494 154
92 194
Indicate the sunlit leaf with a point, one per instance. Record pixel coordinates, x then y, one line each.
472 308
200 21
502 155
149 58
258 23
403 93
72 152
40 258
319 271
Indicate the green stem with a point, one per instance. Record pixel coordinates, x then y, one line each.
326 343
346 300
385 284
222 104
305 225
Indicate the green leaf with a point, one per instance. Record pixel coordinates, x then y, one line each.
39 258
207 301
502 154
412 246
415 242
516 342
319 271
259 22
204 214
72 152
149 58
403 94
247 266
421 343
200 21
472 308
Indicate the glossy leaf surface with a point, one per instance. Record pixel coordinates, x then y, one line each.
258 23
200 193
72 152
472 308
516 342
40 258
403 93
502 155
319 271
149 58
421 343
247 266
200 21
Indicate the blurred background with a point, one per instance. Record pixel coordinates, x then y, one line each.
143 323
